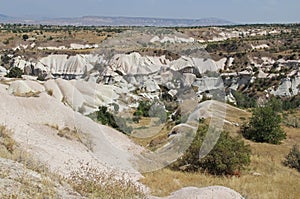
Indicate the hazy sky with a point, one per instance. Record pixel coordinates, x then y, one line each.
245 11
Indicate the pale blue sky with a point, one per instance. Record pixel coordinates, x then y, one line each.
240 11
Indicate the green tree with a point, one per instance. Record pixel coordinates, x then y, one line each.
292 160
143 109
243 100
25 37
150 109
107 118
264 126
15 72
275 103
229 156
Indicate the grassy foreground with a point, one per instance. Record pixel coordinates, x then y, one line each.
266 177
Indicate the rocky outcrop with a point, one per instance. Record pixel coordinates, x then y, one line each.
203 193
65 66
61 65
289 87
25 88
36 122
134 63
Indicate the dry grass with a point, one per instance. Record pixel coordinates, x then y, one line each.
93 183
32 179
7 143
73 134
266 177
26 184
147 126
29 94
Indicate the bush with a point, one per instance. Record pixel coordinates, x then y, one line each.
229 156
25 37
276 104
15 72
154 109
292 160
106 118
41 78
291 103
264 126
243 100
143 109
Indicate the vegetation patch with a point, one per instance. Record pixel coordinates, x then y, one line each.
15 72
292 160
107 118
93 183
73 134
264 126
228 157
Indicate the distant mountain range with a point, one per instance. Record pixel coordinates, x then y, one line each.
116 21
3 17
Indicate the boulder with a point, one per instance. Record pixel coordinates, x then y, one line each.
204 193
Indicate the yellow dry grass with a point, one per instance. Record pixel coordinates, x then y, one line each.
265 178
157 133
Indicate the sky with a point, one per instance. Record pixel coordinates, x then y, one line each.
238 11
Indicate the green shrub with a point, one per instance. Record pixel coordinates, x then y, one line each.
148 109
106 118
143 109
264 126
291 103
292 160
275 103
15 72
243 100
41 78
228 157
25 37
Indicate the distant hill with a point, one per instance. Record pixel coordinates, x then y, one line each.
119 21
4 17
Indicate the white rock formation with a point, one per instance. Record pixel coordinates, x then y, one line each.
74 46
31 119
134 63
3 71
176 39
262 46
289 87
24 87
214 192
67 65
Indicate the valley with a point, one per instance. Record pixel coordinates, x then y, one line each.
90 101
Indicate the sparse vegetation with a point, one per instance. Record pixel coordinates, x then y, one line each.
150 109
292 160
107 118
264 126
93 183
40 186
15 72
243 100
267 176
25 37
228 157
6 140
73 134
86 181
